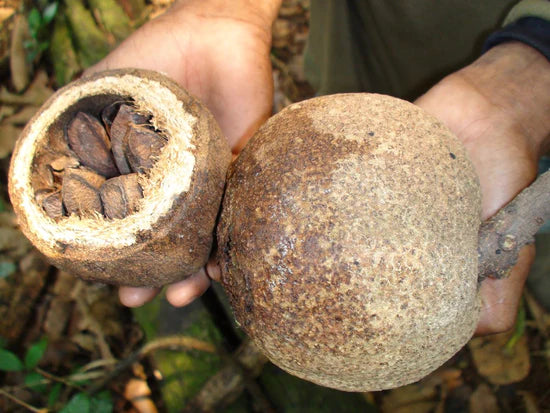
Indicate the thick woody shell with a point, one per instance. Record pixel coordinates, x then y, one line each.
170 235
348 241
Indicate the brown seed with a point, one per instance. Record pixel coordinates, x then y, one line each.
125 117
108 115
64 161
53 205
41 194
89 141
80 191
42 178
120 196
142 147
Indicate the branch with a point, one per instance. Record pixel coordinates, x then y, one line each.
21 402
171 342
514 226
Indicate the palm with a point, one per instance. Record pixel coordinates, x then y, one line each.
504 165
222 61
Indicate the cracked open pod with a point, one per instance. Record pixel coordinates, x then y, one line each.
119 177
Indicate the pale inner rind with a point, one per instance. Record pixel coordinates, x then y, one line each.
160 188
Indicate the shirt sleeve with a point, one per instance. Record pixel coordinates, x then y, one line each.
528 8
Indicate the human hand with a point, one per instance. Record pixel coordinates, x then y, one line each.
498 108
219 52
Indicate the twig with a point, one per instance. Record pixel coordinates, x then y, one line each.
92 322
21 402
513 227
58 379
171 342
189 343
98 363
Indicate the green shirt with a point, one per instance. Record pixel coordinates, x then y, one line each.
401 47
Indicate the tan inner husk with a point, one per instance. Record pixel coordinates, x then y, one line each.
168 179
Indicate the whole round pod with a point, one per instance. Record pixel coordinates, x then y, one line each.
348 241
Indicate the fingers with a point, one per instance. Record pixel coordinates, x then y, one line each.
135 297
213 270
178 294
500 298
184 292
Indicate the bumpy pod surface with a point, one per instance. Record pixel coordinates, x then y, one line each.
348 241
170 234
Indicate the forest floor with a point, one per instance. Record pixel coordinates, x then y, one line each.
67 345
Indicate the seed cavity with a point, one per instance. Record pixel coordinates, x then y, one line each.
96 172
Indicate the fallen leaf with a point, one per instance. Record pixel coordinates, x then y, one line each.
35 95
19 295
137 391
21 117
13 243
57 318
7 110
541 316
8 219
483 400
86 341
8 137
6 13
529 401
19 67
414 398
499 363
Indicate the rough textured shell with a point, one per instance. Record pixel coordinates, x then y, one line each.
171 235
348 241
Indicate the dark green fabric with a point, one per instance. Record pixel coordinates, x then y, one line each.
395 47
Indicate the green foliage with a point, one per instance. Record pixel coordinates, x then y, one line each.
9 361
79 403
55 392
519 329
39 20
82 403
7 268
35 353
185 372
36 382
290 394
101 403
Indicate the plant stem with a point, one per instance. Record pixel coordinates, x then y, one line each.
514 226
170 342
21 402
58 379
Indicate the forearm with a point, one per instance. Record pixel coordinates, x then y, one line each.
515 78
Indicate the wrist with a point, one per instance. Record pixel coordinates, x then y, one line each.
511 82
259 13
498 107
